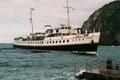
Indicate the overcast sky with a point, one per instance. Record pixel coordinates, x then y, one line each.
14 15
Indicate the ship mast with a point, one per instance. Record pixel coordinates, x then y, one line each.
68 13
31 20
68 16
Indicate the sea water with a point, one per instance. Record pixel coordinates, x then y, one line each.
22 64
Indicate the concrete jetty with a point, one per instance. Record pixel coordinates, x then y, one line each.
100 70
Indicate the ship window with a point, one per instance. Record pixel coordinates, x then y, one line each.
62 27
42 42
47 42
67 40
53 41
50 42
69 27
82 39
56 41
65 27
56 30
63 41
76 39
79 39
67 34
60 41
63 34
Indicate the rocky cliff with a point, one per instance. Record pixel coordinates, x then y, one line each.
107 20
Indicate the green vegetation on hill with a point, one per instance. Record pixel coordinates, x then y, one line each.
107 19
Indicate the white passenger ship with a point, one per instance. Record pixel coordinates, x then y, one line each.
64 38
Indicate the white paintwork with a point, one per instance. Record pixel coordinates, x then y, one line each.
73 40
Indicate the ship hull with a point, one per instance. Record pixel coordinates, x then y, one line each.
77 47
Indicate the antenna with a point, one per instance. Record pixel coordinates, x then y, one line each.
31 21
68 13
68 17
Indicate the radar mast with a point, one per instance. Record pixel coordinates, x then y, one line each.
68 13
31 20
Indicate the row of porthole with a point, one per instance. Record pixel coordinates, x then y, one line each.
77 39
49 42
60 41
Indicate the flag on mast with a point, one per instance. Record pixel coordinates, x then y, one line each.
31 9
